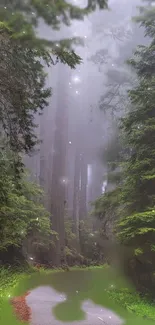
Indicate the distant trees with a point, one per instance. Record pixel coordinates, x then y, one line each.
114 103
90 252
118 79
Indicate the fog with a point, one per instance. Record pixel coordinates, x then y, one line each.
74 129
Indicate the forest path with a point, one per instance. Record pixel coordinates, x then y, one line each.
44 299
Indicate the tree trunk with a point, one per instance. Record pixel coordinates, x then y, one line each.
59 181
83 188
76 194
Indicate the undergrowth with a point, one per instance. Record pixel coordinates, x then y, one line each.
9 279
134 303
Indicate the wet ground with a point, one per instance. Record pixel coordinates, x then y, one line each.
44 299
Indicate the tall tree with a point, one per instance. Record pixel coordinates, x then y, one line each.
138 195
83 188
136 227
59 180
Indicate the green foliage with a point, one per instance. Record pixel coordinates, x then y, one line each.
106 207
136 227
137 197
72 251
139 226
22 91
23 19
146 18
89 242
106 204
52 12
138 251
20 209
69 230
139 126
70 242
86 249
134 207
10 279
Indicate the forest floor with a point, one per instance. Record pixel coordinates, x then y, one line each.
13 294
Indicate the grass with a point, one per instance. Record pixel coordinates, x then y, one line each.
93 283
133 303
8 281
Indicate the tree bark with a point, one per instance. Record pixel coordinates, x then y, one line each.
59 181
83 188
76 194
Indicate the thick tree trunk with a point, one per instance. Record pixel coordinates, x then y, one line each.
59 181
76 194
83 188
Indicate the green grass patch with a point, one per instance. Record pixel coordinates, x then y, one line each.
133 303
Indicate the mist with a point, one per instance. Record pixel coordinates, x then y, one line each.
109 38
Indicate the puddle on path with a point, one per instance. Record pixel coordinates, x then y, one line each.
44 302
